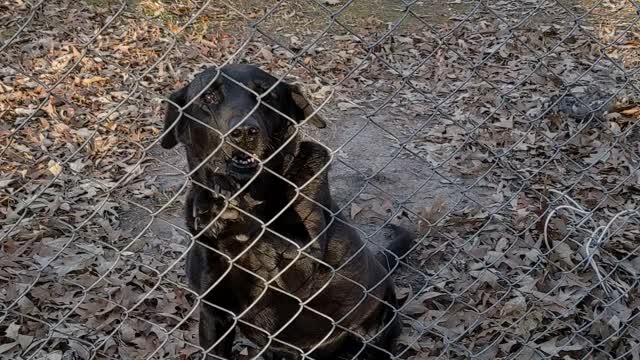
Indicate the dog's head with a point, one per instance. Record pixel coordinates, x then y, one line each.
231 102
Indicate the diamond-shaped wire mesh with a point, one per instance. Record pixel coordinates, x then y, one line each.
503 134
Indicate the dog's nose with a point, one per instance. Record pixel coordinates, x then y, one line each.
244 132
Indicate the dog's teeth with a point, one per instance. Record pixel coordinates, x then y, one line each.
245 162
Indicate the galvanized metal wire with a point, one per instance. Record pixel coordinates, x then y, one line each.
580 248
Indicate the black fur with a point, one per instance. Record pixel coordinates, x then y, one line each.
271 254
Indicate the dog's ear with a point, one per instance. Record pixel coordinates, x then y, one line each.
173 114
304 108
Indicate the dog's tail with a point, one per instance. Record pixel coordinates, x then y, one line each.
397 249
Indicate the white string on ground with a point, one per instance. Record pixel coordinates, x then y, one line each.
597 237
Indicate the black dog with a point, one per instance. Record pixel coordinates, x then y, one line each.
305 282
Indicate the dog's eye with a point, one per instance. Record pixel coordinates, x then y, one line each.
210 98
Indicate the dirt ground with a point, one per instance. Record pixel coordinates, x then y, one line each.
470 122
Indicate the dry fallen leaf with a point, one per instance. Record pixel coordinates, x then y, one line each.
54 167
433 213
93 79
355 210
478 130
550 347
635 111
4 348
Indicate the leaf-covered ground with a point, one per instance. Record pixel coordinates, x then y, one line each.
503 132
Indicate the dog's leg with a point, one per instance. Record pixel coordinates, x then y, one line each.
214 325
204 268
204 205
310 162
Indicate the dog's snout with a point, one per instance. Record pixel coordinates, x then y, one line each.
236 134
245 132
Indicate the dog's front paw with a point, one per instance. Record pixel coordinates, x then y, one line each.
223 186
202 207
212 203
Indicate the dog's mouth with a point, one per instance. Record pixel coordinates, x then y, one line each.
243 164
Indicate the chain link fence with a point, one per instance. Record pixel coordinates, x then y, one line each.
502 133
